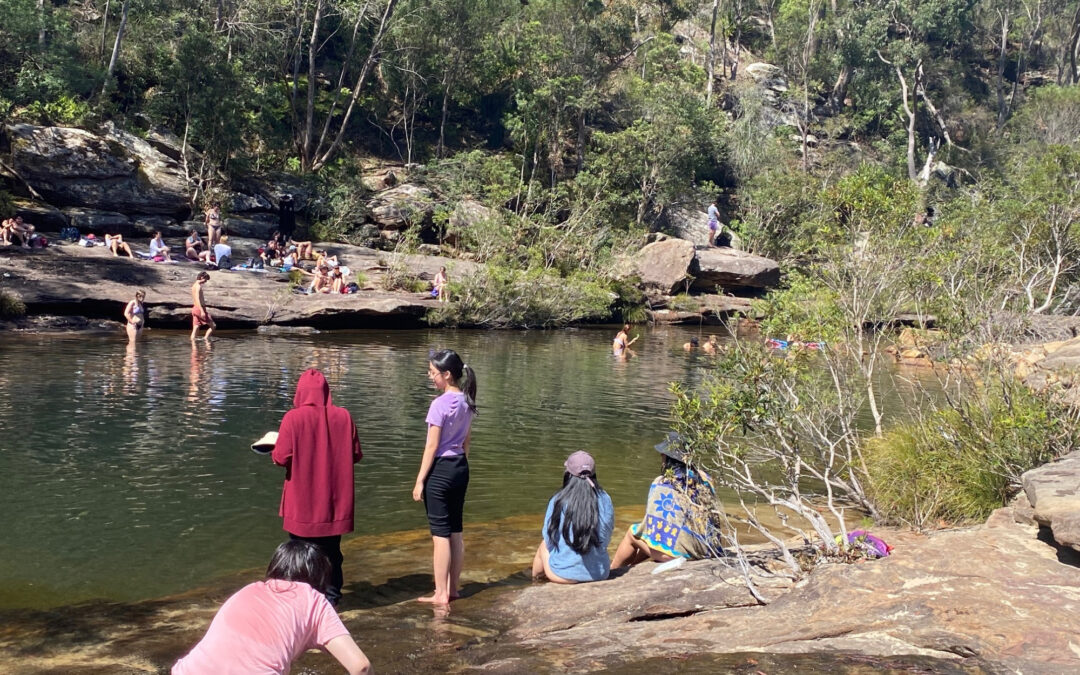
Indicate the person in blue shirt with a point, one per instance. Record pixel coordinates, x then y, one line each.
577 527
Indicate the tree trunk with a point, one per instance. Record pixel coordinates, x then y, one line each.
41 24
373 54
839 90
116 45
712 53
309 113
104 29
1002 59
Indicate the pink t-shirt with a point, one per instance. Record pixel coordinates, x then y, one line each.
261 629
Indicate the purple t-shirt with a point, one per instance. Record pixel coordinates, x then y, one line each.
450 412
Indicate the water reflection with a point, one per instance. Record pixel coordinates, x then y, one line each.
129 470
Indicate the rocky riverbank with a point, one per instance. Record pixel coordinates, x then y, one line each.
999 597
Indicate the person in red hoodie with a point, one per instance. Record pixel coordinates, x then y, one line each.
317 444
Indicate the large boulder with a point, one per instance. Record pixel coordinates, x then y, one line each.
44 217
99 221
401 206
114 171
665 265
1053 490
729 268
255 227
686 222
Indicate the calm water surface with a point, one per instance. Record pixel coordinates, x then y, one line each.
126 474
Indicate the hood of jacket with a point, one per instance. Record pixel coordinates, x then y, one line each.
312 389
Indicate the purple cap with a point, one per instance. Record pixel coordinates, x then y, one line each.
580 463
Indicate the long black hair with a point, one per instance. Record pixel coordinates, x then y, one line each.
577 510
447 360
299 560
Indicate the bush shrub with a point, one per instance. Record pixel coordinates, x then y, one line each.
963 461
11 305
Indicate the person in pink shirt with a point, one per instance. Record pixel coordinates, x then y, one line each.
264 626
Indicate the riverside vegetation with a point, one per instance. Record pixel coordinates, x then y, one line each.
917 157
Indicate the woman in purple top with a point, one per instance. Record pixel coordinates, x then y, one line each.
444 469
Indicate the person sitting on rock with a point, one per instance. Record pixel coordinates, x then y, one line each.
158 250
304 249
337 280
7 231
321 283
676 522
15 227
193 245
116 243
577 527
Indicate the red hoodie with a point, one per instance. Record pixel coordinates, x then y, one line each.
317 445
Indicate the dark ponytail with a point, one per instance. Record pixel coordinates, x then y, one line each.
447 360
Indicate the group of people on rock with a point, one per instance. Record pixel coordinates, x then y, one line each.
269 623
12 229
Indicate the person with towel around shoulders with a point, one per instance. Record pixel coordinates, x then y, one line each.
577 527
676 522
268 624
443 477
318 445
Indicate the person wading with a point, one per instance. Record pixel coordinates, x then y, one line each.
317 444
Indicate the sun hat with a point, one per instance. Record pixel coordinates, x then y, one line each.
582 465
673 446
265 444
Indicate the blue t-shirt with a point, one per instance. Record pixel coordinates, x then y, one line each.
568 563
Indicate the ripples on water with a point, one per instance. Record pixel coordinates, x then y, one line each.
126 473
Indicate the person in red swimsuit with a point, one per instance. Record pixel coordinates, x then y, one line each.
200 316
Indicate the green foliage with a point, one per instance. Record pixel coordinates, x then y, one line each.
11 305
803 309
960 463
7 205
502 297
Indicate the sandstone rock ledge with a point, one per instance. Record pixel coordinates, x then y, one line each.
993 598
72 281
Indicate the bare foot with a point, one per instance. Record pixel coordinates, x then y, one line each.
434 599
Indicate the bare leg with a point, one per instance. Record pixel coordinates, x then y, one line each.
132 333
441 565
631 551
538 563
209 329
457 562
194 332
542 554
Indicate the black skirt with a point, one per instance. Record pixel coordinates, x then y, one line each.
444 494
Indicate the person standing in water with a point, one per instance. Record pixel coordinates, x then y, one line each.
200 316
318 446
444 469
622 341
135 314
